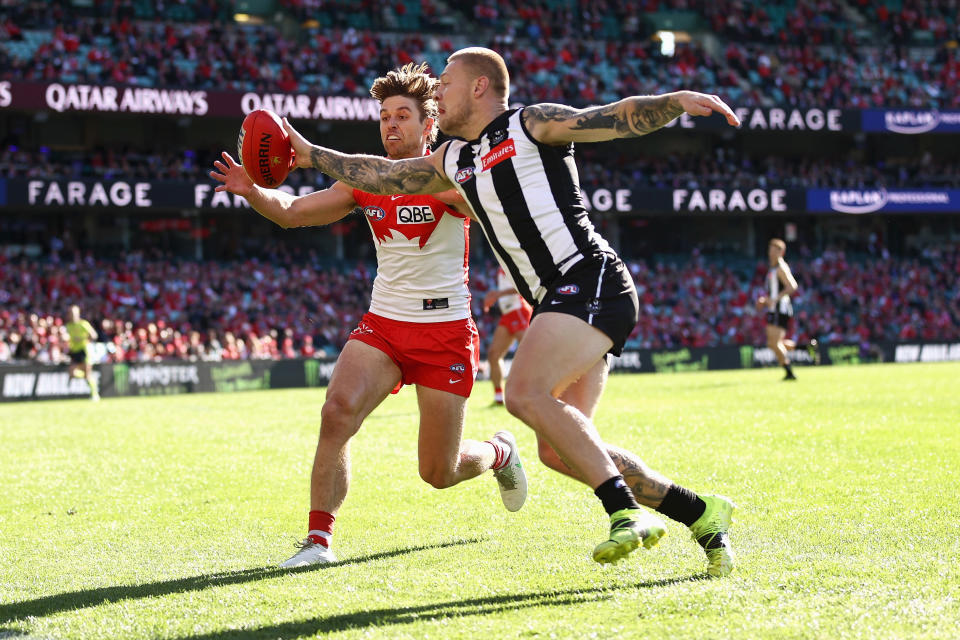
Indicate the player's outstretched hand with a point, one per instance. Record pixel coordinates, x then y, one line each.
702 104
301 146
232 175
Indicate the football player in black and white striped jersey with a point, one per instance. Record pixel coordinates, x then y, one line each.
515 169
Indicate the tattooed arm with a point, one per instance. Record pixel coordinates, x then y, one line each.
372 174
628 118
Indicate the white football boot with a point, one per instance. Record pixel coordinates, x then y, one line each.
310 553
511 478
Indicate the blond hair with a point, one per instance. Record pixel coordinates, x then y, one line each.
488 63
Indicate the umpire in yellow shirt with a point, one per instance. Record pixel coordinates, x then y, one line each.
81 333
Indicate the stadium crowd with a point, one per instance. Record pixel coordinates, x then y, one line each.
723 168
800 53
153 307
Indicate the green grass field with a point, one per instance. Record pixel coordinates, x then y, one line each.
165 517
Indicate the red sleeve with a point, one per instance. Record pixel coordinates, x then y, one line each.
360 197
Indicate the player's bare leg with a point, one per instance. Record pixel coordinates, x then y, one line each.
362 378
499 345
446 459
86 371
557 350
775 340
648 486
707 516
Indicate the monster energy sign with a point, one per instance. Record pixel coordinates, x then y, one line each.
121 379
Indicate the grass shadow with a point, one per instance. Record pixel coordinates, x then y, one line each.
383 618
70 600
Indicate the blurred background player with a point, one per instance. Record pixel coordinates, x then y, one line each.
515 315
418 330
80 333
780 286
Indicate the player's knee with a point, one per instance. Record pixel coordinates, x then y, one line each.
520 398
437 476
339 418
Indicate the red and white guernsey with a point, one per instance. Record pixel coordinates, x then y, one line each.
422 256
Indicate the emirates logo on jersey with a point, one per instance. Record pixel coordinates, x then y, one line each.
498 154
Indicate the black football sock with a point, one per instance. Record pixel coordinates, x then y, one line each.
682 505
616 495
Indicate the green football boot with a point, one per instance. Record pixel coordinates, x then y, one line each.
629 528
710 532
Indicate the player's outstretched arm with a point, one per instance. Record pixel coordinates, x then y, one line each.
627 118
371 173
314 209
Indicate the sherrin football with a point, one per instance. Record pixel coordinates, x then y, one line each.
264 148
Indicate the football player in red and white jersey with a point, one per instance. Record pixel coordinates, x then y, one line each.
515 313
418 330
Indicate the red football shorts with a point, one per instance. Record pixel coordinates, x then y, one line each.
438 355
517 320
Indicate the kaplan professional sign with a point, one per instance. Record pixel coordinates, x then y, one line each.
93 98
859 201
911 121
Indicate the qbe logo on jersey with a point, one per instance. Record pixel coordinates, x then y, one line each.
415 215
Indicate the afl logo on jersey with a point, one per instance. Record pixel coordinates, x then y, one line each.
568 290
463 175
415 215
375 212
458 368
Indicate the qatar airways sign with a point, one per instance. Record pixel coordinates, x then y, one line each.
312 107
85 97
93 98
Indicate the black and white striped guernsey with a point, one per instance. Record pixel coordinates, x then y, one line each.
526 197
